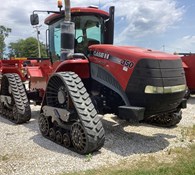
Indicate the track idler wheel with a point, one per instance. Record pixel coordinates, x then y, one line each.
79 138
44 125
59 137
66 140
52 134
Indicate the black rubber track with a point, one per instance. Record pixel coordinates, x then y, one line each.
85 109
21 111
170 120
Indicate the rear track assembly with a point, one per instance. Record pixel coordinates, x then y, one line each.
14 104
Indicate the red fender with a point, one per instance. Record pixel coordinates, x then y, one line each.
79 66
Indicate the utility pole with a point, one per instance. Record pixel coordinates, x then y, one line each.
163 46
38 42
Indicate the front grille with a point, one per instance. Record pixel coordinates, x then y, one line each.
159 73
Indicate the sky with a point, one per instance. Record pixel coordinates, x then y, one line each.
166 25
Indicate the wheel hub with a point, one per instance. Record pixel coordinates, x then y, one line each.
58 137
61 96
66 140
52 134
44 125
78 137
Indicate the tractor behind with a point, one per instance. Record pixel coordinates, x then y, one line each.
188 60
86 75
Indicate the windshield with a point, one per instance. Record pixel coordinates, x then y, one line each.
88 31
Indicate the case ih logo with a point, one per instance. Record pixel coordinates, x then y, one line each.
101 55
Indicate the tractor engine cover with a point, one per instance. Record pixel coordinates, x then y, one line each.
143 78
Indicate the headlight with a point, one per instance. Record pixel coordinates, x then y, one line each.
164 90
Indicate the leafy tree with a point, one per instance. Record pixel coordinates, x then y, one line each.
26 48
4 32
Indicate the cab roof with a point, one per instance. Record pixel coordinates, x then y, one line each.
75 11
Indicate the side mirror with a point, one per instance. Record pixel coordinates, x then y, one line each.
34 19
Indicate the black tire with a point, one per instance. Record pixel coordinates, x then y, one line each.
11 85
82 105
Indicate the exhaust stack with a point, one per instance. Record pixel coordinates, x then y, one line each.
67 33
67 10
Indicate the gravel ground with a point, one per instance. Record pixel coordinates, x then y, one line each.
23 150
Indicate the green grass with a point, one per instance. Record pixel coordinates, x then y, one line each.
183 163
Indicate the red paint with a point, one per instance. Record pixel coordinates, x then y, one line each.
79 66
132 54
35 71
189 67
13 66
79 10
39 72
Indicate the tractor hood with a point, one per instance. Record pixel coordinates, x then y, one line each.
142 77
123 61
131 52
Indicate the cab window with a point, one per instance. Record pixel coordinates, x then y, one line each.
88 31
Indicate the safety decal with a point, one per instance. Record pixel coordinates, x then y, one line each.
127 64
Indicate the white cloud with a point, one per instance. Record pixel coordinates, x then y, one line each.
16 15
145 17
185 44
134 19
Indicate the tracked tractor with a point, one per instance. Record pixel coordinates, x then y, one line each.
86 75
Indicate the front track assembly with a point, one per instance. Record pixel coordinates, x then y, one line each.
14 104
165 120
68 117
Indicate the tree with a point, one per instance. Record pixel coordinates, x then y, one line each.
26 48
4 32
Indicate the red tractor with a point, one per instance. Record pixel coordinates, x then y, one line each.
86 75
188 60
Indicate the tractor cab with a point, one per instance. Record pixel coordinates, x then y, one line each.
91 26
